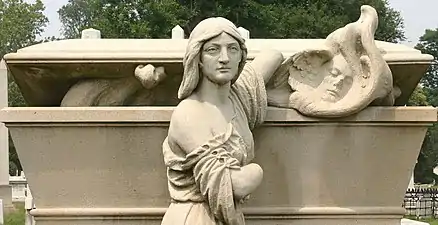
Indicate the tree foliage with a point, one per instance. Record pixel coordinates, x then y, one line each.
20 23
428 44
264 18
418 97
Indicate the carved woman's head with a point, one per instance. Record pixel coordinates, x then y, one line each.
216 51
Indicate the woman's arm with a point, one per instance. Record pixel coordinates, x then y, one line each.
266 63
189 133
246 180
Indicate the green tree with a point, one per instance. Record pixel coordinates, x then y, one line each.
264 18
428 44
121 19
20 23
418 97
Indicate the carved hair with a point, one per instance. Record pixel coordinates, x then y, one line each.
203 32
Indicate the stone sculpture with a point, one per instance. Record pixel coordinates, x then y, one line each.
210 145
338 79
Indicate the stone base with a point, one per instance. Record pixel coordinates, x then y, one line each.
6 196
253 216
316 172
345 221
143 221
99 221
98 216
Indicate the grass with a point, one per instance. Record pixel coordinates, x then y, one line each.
16 217
431 221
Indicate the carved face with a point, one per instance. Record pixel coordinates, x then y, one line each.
323 77
220 58
337 82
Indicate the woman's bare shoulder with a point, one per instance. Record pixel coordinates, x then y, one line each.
186 111
188 126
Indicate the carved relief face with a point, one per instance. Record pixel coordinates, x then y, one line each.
220 58
337 82
322 78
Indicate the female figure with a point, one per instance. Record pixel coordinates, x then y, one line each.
210 145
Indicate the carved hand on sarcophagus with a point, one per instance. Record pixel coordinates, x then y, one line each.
342 77
116 91
149 76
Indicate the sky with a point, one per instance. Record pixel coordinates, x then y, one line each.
418 15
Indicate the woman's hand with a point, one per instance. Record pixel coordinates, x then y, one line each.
246 180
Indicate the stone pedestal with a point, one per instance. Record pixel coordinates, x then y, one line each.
5 188
104 165
6 195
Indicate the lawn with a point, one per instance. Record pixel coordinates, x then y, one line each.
17 217
431 221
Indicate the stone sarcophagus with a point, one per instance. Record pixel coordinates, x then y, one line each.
91 140
100 165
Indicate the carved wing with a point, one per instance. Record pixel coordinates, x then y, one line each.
307 69
302 67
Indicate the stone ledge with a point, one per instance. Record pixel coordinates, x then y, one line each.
10 115
173 50
386 212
